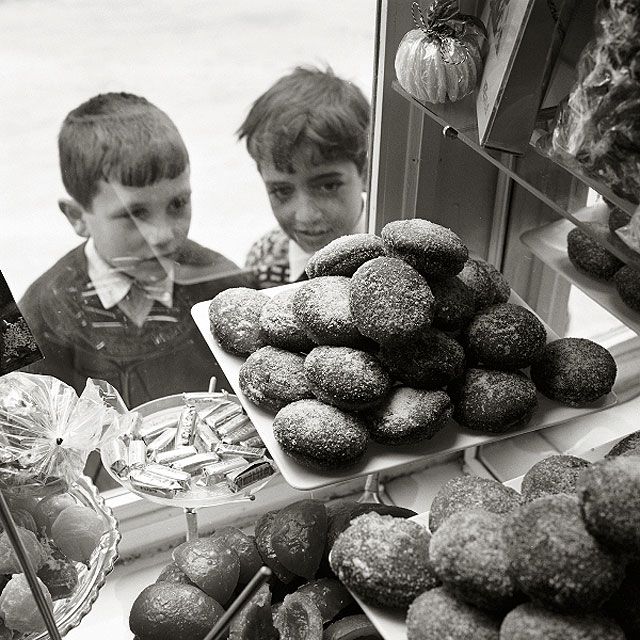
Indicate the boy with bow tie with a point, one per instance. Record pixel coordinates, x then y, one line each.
118 306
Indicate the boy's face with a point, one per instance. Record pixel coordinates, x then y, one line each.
134 226
317 203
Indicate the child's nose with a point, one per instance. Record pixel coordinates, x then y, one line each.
307 209
162 235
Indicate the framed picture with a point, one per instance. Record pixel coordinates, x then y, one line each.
524 37
18 347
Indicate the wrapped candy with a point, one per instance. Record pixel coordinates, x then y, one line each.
441 59
47 431
630 233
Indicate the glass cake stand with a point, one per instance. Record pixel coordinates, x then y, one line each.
167 411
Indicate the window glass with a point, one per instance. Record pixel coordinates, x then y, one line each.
203 63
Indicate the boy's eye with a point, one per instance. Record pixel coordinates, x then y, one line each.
281 193
178 205
329 187
139 213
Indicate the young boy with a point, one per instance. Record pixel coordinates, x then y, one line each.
117 307
308 135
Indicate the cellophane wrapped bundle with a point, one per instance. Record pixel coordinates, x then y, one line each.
630 233
47 431
599 126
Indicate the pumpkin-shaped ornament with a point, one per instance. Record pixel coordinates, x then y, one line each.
441 59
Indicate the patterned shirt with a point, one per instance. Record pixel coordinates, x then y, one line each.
268 258
272 257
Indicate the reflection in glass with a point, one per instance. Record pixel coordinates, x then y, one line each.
156 239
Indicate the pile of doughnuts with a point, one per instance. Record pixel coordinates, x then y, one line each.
559 560
390 337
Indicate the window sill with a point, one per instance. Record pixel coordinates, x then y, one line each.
148 528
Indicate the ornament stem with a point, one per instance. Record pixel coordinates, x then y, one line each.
418 17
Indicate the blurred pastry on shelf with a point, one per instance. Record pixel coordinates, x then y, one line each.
464 493
609 493
469 554
530 621
590 257
552 475
556 561
438 614
627 281
628 446
617 218
384 560
624 604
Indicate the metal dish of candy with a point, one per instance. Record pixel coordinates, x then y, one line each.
191 450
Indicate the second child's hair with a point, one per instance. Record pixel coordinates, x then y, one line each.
118 137
308 108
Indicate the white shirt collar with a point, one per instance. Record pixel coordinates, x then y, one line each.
298 257
112 285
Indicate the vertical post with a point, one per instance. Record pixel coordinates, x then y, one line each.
371 491
191 516
43 606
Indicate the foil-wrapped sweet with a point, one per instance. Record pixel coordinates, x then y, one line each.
212 445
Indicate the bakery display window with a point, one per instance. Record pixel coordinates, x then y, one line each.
455 374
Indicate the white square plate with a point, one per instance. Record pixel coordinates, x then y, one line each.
378 457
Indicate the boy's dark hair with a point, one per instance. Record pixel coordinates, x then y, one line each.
309 106
118 136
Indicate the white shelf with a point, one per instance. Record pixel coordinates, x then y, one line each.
549 244
510 458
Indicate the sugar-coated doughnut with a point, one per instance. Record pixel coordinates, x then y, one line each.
434 250
574 371
344 255
319 435
390 300
234 317
272 378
